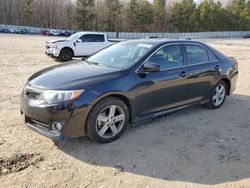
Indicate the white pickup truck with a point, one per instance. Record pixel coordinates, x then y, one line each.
81 44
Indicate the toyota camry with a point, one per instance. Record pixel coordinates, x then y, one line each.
125 83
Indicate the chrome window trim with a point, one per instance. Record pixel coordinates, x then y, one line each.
179 43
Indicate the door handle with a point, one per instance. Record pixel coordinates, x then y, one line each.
183 74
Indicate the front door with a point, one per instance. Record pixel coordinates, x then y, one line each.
157 91
89 44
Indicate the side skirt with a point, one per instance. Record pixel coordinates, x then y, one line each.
164 112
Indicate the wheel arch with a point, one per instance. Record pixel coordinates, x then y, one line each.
228 84
68 48
118 95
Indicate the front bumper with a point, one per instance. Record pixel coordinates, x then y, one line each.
72 115
53 52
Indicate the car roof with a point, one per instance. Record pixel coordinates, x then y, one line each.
90 32
159 41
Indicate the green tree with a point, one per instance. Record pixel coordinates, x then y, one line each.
113 9
239 14
84 13
160 12
140 15
26 11
210 16
183 15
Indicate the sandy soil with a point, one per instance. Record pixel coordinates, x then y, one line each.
195 147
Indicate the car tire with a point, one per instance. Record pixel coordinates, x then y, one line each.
65 55
217 96
103 125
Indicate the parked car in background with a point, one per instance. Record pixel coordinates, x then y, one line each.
5 30
246 36
55 33
48 32
65 33
24 31
127 82
80 44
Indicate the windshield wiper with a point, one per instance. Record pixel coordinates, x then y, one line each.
94 63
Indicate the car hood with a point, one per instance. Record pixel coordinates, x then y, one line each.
72 76
55 41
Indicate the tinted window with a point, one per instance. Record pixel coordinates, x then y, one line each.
167 57
196 54
99 38
87 38
211 56
92 38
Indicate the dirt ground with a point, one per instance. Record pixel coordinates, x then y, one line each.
195 147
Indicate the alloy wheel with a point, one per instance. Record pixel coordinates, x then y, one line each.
110 121
219 94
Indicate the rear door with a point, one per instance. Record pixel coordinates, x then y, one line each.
203 69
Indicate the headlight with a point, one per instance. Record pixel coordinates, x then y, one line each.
53 96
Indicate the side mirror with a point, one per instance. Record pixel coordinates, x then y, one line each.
151 67
78 41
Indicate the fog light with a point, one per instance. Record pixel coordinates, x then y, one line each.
56 126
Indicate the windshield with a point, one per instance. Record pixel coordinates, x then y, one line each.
74 37
121 55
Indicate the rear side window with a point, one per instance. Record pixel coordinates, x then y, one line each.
92 38
168 57
211 56
99 38
196 54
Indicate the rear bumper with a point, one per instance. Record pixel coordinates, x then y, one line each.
72 116
233 84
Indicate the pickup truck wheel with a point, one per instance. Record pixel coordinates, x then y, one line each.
65 55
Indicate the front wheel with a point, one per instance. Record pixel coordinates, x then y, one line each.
65 55
218 95
108 120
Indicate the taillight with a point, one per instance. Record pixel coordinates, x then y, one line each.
236 63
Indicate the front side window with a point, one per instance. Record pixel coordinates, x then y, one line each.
87 38
196 54
168 57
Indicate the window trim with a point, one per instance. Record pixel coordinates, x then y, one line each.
183 53
145 61
92 36
203 47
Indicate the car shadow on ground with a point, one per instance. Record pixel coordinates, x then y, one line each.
195 145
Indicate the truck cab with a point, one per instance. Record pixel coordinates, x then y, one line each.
80 44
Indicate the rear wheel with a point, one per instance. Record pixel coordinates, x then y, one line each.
108 120
65 55
218 95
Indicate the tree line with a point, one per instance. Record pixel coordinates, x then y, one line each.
128 15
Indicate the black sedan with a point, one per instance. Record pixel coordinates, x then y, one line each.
125 83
